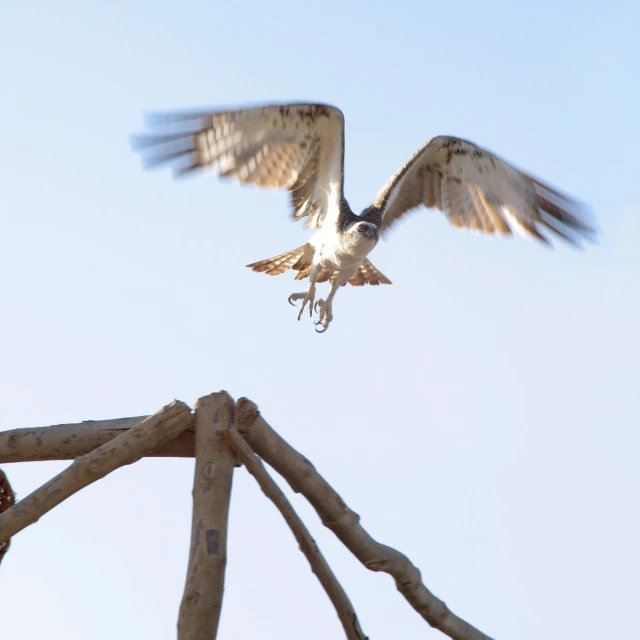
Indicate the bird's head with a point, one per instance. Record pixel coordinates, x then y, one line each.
368 230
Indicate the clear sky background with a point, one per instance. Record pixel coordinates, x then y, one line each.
481 414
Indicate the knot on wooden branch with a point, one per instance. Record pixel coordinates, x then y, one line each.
7 499
246 414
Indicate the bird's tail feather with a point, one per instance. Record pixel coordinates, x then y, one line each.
297 259
366 274
300 260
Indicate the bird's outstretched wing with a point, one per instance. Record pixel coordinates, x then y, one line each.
478 190
298 147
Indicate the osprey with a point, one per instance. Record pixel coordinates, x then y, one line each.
300 147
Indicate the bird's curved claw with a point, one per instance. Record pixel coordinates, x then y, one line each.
323 308
293 304
324 327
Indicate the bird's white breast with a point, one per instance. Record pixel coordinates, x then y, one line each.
340 252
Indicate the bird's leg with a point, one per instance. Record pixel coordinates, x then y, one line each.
323 307
307 296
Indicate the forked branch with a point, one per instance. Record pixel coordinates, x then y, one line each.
128 447
337 516
103 446
319 566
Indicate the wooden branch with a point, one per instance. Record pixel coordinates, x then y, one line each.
202 599
308 546
337 516
100 447
126 448
69 441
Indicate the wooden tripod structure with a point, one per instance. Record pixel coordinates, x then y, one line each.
221 435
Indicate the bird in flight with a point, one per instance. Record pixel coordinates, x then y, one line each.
300 147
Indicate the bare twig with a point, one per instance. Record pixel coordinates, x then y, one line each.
7 499
128 447
307 544
337 516
202 600
69 441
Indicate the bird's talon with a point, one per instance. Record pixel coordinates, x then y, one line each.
307 299
319 306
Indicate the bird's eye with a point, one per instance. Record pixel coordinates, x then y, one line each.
362 227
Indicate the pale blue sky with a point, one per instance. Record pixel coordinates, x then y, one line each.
480 414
